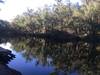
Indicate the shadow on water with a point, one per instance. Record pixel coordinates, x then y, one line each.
70 58
5 57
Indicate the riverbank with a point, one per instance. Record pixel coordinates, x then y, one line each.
54 35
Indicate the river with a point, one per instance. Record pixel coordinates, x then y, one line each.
42 57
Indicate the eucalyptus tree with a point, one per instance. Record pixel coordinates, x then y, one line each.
63 13
80 18
87 15
91 9
25 22
91 13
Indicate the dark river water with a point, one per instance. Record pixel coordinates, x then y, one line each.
42 57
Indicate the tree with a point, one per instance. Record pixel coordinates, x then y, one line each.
80 18
91 11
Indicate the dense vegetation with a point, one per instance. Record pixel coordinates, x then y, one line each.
63 20
78 20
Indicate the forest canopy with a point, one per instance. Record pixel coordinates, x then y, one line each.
81 20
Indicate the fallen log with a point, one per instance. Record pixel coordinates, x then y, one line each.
2 50
5 56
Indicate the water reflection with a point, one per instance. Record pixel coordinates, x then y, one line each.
72 58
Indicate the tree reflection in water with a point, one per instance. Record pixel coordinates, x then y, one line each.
81 57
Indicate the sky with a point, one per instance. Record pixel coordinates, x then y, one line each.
12 8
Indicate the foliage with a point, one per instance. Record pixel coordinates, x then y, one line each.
61 16
81 20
